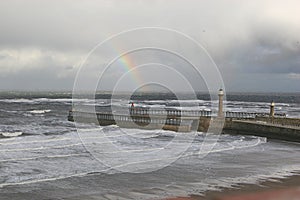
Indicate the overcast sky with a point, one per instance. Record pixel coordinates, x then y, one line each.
255 44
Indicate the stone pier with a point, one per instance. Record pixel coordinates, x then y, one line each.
271 125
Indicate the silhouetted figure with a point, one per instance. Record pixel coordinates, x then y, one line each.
132 108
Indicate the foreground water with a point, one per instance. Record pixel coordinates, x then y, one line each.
50 160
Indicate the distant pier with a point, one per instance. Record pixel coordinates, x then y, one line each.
271 125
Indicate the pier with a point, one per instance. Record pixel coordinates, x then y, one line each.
271 125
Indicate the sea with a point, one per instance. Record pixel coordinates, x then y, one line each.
44 156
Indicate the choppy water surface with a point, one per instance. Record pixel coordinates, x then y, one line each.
49 160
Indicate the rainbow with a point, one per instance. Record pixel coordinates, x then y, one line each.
128 64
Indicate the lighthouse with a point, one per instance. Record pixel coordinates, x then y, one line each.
220 111
272 109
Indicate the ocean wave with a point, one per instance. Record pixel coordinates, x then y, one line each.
42 180
8 111
41 100
39 111
41 148
44 157
35 141
243 143
11 134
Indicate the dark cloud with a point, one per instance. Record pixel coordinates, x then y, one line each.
48 39
265 56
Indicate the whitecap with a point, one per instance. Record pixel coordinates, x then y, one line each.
39 111
11 134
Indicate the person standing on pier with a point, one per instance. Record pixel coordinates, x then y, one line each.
131 108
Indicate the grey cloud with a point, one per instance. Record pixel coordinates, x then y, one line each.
36 78
266 57
244 38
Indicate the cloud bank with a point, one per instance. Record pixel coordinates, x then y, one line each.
256 44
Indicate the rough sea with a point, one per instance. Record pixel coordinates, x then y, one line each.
42 156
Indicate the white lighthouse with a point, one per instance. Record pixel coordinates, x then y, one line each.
220 111
272 109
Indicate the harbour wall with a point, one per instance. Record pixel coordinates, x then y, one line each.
261 128
281 128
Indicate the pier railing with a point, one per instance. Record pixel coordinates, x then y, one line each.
199 113
175 117
247 115
174 114
171 112
292 122
106 116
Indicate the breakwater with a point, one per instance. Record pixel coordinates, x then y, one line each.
259 124
271 125
264 129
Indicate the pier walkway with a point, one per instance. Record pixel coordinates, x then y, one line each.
270 125
260 124
165 116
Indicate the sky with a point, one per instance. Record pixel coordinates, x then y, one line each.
44 44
